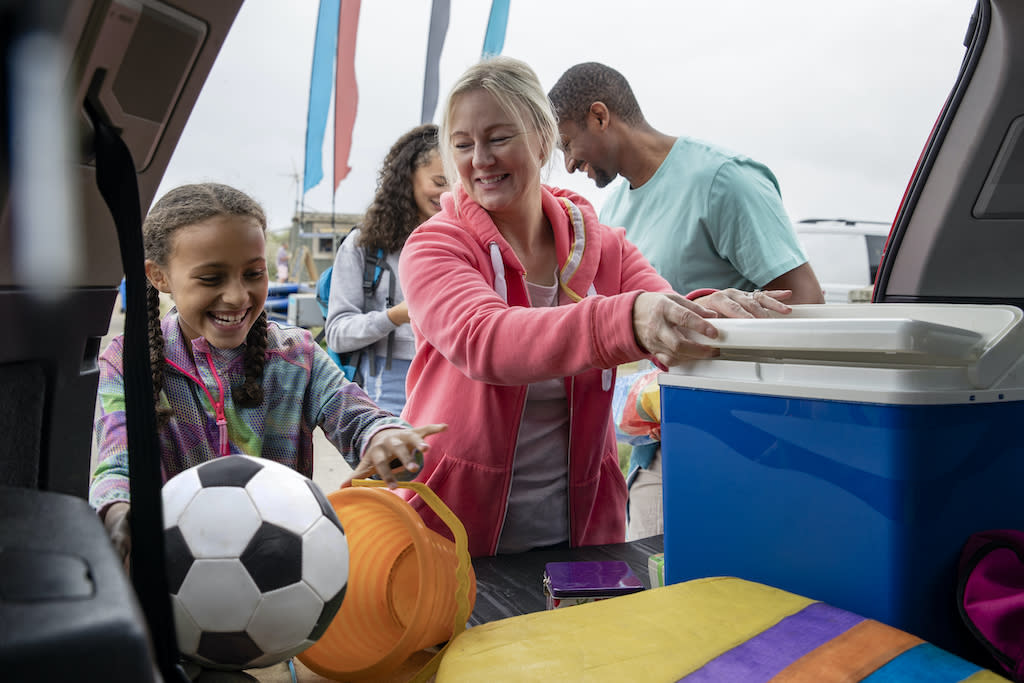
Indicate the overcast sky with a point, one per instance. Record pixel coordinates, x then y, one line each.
837 98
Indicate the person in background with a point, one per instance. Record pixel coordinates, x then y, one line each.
523 304
225 380
701 215
409 188
282 263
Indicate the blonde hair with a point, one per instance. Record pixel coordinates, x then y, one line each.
516 88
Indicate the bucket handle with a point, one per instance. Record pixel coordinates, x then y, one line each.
461 569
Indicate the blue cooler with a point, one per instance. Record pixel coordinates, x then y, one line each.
846 452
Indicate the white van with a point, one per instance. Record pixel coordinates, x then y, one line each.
844 254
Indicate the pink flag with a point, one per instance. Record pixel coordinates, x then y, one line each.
346 93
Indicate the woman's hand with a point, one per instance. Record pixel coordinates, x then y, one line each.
661 323
116 520
399 313
395 449
735 303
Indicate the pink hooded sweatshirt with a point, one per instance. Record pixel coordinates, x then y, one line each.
478 347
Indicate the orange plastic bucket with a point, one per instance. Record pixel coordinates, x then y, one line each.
409 588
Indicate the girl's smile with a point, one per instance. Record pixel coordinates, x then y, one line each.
229 321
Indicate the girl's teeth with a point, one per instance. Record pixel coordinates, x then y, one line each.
229 321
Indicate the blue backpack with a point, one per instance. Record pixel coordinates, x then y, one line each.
374 265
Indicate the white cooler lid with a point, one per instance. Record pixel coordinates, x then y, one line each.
894 349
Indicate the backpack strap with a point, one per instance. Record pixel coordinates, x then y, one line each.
323 296
374 264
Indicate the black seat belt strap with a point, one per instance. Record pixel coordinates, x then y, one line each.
115 177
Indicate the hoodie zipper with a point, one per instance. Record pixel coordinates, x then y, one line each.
223 447
568 460
511 472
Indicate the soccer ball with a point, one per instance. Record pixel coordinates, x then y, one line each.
257 561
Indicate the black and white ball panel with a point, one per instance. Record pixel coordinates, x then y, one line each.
257 561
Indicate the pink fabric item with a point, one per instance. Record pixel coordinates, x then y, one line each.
990 595
346 91
476 353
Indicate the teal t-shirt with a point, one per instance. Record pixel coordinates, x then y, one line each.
707 218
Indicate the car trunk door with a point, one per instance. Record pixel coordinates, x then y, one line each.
958 236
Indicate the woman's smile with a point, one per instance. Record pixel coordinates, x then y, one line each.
498 162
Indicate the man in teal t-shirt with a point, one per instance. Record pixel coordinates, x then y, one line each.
702 216
708 219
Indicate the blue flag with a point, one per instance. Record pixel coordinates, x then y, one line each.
494 39
321 85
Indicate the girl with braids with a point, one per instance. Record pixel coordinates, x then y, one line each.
225 380
409 188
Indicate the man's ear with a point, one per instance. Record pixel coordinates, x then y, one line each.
600 114
156 276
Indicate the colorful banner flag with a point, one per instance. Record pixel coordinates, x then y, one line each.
346 93
439 14
494 39
320 84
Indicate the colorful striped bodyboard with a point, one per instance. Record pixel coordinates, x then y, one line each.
707 630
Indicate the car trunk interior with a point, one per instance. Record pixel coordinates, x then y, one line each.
142 66
139 65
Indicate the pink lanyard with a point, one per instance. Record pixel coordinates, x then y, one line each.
218 406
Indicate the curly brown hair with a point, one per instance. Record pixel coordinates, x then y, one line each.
181 207
393 215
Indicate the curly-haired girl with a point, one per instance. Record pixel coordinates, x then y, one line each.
409 188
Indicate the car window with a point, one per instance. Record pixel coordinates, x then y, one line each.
875 245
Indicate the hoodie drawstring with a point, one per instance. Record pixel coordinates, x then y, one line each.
606 374
501 288
499 272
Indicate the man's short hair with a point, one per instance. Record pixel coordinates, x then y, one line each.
590 82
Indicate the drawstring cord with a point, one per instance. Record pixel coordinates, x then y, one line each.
501 288
223 447
606 374
499 272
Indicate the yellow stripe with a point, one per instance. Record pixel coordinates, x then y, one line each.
579 243
660 634
985 676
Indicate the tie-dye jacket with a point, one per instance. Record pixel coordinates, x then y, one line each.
302 388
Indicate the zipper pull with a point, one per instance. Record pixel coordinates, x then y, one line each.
218 408
222 425
222 430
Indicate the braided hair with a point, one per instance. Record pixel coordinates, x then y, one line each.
181 207
393 214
